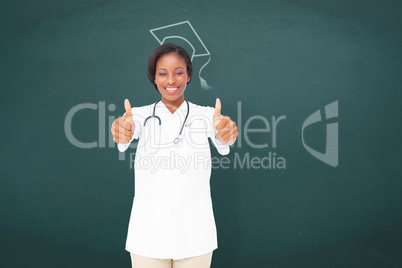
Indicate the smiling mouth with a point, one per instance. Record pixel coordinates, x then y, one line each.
171 89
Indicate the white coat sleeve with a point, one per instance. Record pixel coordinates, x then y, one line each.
222 148
136 133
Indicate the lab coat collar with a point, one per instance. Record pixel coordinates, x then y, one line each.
182 108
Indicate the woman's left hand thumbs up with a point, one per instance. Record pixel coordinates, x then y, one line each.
225 129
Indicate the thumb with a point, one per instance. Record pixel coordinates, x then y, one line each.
217 107
127 106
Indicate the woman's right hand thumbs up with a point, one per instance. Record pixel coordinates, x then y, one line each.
123 127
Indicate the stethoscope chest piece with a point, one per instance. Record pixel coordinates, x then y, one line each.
178 140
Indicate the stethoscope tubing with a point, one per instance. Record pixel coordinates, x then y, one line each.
176 140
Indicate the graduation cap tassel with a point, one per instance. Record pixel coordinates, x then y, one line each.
204 84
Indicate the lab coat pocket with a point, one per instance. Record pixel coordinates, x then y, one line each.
199 225
145 223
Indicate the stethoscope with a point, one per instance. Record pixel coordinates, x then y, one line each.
160 121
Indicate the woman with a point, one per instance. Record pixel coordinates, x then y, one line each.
172 222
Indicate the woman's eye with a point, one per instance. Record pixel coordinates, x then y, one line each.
162 74
180 73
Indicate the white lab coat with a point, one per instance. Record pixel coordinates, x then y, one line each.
172 215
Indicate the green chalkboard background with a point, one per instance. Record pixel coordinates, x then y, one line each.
66 206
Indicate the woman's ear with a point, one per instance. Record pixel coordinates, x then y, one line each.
188 79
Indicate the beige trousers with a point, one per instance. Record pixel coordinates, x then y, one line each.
203 261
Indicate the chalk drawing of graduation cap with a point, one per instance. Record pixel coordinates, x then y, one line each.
184 31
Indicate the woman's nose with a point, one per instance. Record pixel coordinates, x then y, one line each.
171 79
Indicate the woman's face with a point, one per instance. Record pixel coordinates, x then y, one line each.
171 78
